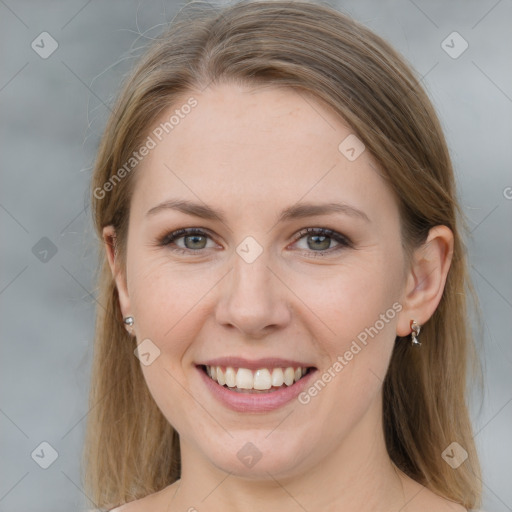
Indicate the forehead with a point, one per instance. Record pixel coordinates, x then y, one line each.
266 146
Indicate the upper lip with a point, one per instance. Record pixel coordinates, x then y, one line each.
255 364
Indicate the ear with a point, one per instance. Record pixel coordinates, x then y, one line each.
109 238
426 279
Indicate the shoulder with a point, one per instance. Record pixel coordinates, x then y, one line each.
434 502
150 502
157 501
431 502
133 506
421 499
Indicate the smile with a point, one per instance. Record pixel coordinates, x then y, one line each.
262 380
255 385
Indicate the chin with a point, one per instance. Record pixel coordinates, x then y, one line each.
256 456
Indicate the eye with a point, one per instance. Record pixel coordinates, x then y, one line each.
194 240
318 241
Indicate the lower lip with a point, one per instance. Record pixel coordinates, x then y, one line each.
256 402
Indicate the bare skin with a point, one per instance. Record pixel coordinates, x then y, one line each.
417 498
252 152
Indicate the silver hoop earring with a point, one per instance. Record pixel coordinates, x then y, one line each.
415 333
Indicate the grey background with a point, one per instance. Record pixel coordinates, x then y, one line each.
52 114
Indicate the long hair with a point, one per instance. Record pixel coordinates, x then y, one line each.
130 449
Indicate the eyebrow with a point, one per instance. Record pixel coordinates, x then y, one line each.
297 211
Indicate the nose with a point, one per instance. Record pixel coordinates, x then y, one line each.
252 299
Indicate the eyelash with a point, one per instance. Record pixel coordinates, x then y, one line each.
342 240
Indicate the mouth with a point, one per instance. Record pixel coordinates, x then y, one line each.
261 380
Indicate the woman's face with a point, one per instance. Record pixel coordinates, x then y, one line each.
255 290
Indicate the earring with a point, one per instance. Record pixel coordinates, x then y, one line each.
414 334
129 321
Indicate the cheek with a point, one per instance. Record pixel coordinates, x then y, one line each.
164 297
347 299
166 303
356 310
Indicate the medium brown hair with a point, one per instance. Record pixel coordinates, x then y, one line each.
131 450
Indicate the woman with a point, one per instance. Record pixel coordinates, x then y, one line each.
283 277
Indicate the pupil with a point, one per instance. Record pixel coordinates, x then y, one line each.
324 239
194 237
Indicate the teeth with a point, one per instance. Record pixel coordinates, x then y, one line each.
220 377
262 379
230 376
244 379
289 376
277 377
